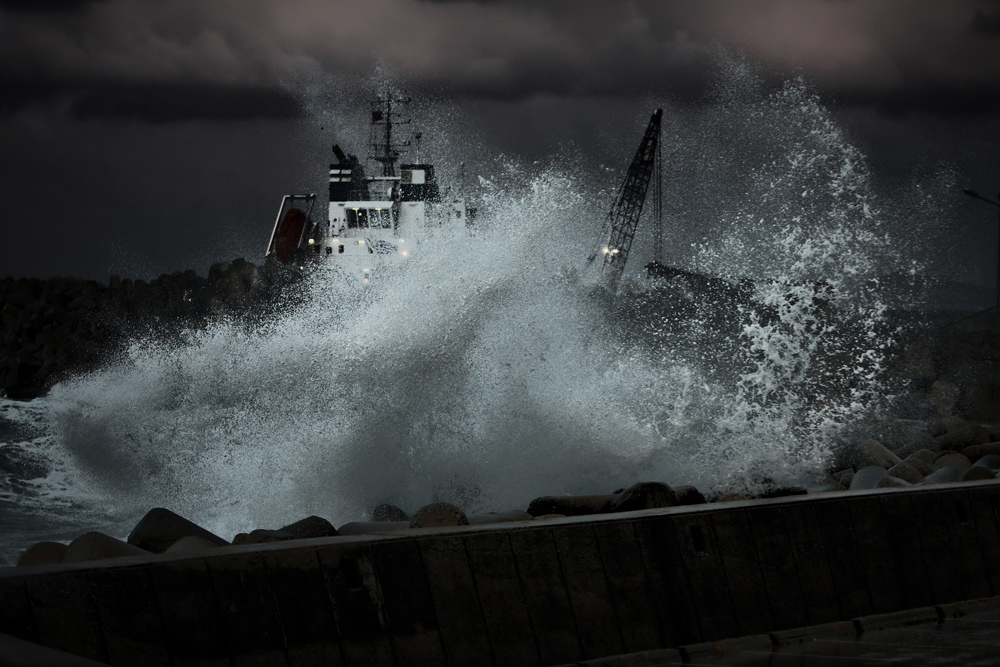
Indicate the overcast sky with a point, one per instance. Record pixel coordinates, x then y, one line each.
145 136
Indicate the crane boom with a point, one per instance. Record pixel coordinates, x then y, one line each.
623 218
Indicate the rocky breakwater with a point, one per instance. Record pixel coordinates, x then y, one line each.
916 454
56 326
951 366
938 452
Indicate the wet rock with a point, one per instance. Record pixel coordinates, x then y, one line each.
43 553
643 496
976 473
975 452
926 454
840 473
97 546
952 459
386 512
438 514
921 465
874 453
570 505
846 479
892 482
160 528
868 477
372 527
190 546
959 439
499 517
907 471
310 527
262 536
990 461
918 441
688 495
946 475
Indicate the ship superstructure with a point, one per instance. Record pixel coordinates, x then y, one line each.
373 221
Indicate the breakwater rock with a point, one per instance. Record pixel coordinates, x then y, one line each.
950 366
922 454
56 326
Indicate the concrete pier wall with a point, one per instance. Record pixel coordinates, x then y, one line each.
532 593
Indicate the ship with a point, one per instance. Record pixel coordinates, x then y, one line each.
374 222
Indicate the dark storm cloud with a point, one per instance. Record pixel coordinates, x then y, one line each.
152 102
163 103
42 6
893 55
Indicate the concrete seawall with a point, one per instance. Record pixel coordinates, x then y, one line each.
531 593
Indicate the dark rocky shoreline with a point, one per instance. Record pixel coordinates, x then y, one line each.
54 327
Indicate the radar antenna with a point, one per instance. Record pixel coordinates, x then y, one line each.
384 118
623 218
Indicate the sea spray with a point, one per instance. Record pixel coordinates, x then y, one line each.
489 370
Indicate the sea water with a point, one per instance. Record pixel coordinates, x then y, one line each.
493 367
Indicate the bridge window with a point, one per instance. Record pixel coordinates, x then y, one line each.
371 218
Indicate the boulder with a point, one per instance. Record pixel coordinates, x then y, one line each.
262 536
570 505
43 553
926 454
892 482
959 439
907 471
990 461
438 514
688 495
386 512
846 479
160 528
643 496
190 546
977 472
918 441
311 526
868 453
952 459
975 452
96 546
946 475
921 464
868 477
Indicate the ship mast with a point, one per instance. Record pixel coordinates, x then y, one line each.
381 146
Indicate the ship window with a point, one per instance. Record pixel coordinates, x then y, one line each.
371 218
458 214
340 249
329 250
